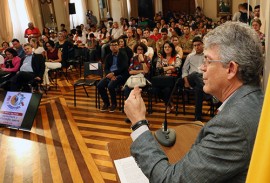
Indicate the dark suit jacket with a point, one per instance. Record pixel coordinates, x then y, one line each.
221 152
122 65
38 65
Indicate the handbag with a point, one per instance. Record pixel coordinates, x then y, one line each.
136 80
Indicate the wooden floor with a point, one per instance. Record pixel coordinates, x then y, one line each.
86 124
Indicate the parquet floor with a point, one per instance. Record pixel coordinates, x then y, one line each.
97 128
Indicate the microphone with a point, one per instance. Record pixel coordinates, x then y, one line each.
167 136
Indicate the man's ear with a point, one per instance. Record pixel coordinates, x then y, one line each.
232 69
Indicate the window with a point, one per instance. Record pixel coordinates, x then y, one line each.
19 19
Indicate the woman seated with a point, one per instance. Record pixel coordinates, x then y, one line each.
11 64
37 48
150 50
168 64
176 43
140 63
4 45
65 47
123 47
92 46
53 61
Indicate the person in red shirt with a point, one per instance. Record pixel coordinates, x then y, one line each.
31 32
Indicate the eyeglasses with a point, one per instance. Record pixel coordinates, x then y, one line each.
206 61
139 49
113 44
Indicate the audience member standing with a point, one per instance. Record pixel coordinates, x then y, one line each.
31 32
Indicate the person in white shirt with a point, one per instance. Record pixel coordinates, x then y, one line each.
192 75
116 31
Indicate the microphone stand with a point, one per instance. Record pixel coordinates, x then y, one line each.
167 136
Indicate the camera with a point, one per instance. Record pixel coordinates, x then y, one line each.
88 14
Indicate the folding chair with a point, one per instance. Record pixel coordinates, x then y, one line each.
94 69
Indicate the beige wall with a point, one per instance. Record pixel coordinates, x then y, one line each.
115 10
210 8
93 5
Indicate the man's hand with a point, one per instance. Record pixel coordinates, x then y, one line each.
186 83
37 78
113 78
134 106
110 75
141 58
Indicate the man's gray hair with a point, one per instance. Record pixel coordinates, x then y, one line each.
237 42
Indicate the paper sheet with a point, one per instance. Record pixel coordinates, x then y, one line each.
93 66
129 172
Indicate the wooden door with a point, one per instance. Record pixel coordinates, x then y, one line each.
187 6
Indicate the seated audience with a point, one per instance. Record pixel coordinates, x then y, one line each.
4 45
11 64
37 48
256 25
192 75
140 63
168 64
53 61
150 51
186 40
18 47
32 68
66 48
123 47
92 44
116 73
179 50
156 35
162 40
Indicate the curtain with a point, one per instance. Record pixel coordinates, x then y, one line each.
30 13
19 19
158 6
124 9
66 20
6 32
134 9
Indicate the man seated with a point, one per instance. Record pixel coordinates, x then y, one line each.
18 47
192 75
162 40
186 40
116 70
32 68
131 42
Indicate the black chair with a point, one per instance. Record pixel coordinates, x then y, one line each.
94 69
53 75
36 86
80 56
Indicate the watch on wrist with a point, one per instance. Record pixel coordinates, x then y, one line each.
139 124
